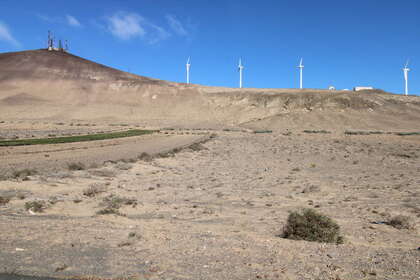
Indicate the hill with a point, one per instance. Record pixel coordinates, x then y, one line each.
41 84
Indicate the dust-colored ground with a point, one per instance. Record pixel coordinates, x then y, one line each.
202 207
216 210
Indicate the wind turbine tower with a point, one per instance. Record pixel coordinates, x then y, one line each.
301 73
188 65
240 69
406 69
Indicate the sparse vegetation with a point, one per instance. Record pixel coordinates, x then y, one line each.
407 133
145 157
317 131
347 132
310 225
263 131
197 147
35 206
400 222
76 166
23 173
79 138
94 189
4 200
113 203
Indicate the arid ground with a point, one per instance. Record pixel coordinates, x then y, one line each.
208 196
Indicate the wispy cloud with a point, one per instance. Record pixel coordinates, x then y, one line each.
6 35
72 21
126 26
176 25
67 19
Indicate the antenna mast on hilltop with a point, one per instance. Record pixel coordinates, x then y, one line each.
50 41
240 69
301 73
406 69
188 66
66 46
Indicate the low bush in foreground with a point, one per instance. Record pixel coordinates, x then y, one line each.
310 225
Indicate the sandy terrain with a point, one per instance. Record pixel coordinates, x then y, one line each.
214 207
216 212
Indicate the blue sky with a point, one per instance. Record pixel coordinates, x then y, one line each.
343 43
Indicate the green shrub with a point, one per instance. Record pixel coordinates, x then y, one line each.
312 226
317 131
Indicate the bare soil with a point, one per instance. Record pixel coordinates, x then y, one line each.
216 212
201 207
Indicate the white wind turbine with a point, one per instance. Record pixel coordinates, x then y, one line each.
301 73
406 69
188 65
240 69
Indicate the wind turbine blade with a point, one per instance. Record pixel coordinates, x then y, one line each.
406 64
301 62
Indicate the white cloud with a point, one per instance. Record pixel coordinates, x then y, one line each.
176 25
126 26
5 35
72 21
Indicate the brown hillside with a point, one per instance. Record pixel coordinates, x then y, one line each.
55 85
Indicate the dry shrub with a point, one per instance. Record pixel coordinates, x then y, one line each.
312 226
197 147
24 173
35 205
112 203
400 222
76 166
4 200
145 157
94 189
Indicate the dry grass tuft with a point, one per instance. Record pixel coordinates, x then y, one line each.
94 189
400 222
76 166
113 203
24 173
